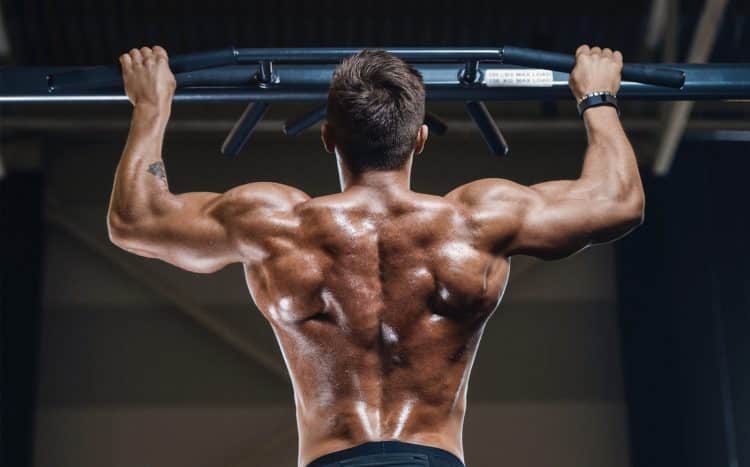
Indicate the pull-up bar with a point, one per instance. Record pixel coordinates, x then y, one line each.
109 76
471 75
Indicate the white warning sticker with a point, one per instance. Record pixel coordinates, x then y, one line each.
517 77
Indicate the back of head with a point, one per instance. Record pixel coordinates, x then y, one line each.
376 106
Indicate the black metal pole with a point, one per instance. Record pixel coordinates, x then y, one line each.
309 82
487 127
659 75
240 133
298 124
108 76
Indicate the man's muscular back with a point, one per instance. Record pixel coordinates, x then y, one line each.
378 300
378 295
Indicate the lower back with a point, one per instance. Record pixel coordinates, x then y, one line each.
376 373
355 422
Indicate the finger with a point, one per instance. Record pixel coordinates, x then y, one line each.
125 62
606 52
159 50
617 56
148 56
582 49
596 50
136 57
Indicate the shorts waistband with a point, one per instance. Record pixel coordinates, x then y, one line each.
434 456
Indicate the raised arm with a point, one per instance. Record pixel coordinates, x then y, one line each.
556 219
200 232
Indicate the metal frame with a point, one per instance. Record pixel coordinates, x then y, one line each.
678 113
730 81
262 76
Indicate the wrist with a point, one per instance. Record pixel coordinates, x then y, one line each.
602 112
151 115
600 121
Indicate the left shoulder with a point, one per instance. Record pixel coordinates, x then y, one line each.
491 192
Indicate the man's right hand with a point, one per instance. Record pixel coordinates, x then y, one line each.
147 77
596 70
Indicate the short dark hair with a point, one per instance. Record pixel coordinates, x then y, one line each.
376 105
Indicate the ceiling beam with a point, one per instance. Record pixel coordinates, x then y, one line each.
678 113
657 24
4 42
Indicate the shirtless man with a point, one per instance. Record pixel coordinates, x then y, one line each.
377 295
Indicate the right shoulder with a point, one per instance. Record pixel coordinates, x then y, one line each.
269 195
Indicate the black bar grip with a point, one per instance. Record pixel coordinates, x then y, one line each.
487 127
436 124
297 125
243 129
110 76
637 72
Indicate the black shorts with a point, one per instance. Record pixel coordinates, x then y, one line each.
389 453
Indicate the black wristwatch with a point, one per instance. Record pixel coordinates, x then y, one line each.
595 99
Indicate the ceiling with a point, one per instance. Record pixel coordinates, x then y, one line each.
89 32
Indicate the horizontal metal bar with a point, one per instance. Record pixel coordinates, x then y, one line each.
724 136
310 83
110 75
335 54
105 76
639 72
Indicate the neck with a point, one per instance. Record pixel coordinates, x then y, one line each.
398 179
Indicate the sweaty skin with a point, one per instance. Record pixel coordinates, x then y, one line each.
377 295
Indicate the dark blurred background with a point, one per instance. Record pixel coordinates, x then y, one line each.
632 354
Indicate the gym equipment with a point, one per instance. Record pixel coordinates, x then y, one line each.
262 76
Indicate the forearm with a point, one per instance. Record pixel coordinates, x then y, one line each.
140 187
610 168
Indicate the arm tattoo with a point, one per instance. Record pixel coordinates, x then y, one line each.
157 169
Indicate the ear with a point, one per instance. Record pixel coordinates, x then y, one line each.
422 135
326 135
